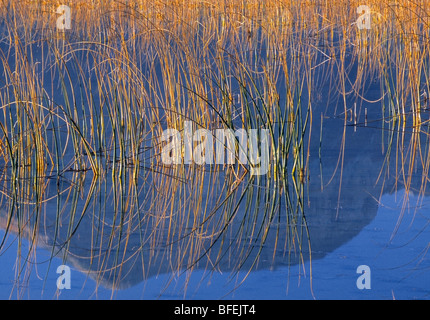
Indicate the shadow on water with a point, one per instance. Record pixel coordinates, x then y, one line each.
121 232
141 219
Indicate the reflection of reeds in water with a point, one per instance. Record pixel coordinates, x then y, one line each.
93 101
121 231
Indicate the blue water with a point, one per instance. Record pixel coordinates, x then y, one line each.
400 269
348 229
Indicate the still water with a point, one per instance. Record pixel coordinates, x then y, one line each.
197 233
384 228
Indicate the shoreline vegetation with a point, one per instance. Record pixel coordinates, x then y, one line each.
127 68
83 112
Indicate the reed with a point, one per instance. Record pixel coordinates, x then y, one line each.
94 100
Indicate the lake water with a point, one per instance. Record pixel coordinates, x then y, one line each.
201 234
399 270
358 226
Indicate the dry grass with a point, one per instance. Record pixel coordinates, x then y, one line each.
96 98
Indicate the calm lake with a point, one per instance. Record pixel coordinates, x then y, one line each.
83 187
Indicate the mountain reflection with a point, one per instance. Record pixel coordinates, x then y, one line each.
121 231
